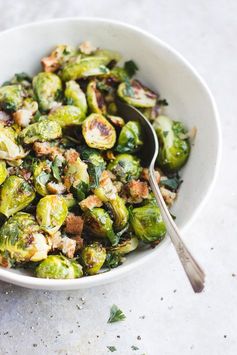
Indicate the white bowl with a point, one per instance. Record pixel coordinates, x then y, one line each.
162 69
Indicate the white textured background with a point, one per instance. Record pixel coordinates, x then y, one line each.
175 323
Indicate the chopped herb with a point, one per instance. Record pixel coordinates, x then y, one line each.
163 102
103 69
133 347
37 116
22 77
104 87
172 183
112 348
116 314
69 101
57 163
130 67
166 133
66 51
112 260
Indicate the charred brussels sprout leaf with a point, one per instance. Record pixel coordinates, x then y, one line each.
11 98
77 178
134 93
15 195
59 267
48 89
21 239
41 131
85 67
126 167
174 151
51 212
95 98
76 96
93 257
98 132
130 138
99 224
3 172
67 116
147 223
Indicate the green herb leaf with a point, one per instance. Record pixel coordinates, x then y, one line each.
163 102
172 183
112 260
133 347
22 77
130 67
116 315
128 89
166 133
112 348
57 163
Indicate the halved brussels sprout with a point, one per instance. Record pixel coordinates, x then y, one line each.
15 195
9 149
98 132
51 212
116 120
41 131
119 212
126 247
93 257
67 116
135 94
99 223
85 67
21 239
118 74
11 97
126 167
95 98
48 90
41 174
147 223
174 151
58 267
75 96
130 138
3 172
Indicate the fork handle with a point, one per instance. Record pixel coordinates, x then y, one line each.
193 270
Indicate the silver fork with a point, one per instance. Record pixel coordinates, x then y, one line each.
150 150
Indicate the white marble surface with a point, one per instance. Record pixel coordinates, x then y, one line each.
175 323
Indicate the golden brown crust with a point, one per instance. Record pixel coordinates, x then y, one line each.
90 202
74 224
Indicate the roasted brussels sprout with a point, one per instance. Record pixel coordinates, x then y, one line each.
130 138
126 247
99 224
70 201
147 223
9 149
59 56
41 131
51 212
21 240
15 195
95 98
98 132
48 90
75 96
3 172
11 97
84 67
41 174
59 267
119 212
174 151
93 257
126 167
134 93
111 56
96 165
67 115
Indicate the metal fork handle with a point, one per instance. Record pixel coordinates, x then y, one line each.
193 270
